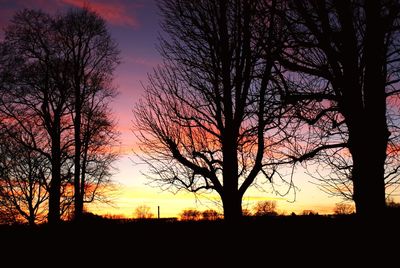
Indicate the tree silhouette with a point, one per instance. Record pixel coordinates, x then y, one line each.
210 215
143 212
99 137
211 116
344 60
36 93
343 209
190 215
56 73
92 56
265 208
23 183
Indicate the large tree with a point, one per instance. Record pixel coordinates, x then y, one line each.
343 57
92 56
36 91
56 87
211 114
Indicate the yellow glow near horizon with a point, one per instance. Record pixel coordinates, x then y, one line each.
133 192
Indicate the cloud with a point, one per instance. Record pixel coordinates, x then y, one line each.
116 13
120 13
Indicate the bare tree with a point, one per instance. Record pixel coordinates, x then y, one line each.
211 118
343 209
210 215
143 212
56 87
36 95
265 208
23 182
343 57
99 142
190 215
92 56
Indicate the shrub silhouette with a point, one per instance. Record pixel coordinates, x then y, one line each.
265 208
190 215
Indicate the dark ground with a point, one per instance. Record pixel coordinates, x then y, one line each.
316 241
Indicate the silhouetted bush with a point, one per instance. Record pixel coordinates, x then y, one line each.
190 215
344 209
210 215
143 212
265 208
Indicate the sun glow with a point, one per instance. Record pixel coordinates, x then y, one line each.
133 190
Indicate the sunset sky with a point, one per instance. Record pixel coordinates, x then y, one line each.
134 24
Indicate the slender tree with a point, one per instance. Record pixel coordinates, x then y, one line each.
211 114
92 56
343 57
99 142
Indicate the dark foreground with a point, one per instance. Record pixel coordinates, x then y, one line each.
280 240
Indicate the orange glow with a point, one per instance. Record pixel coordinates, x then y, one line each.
393 148
133 192
135 27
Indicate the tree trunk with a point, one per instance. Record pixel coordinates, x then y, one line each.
83 170
231 198
232 204
369 160
368 181
55 184
31 220
31 215
78 196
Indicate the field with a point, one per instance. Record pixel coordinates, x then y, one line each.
284 239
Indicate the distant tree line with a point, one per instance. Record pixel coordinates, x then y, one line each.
56 128
250 88
266 208
260 209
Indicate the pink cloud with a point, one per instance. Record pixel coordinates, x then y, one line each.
115 13
119 12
